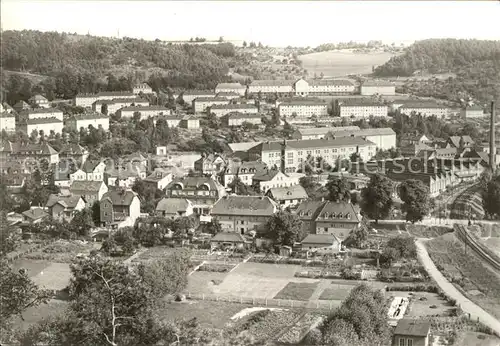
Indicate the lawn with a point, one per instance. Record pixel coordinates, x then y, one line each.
342 62
34 315
62 251
154 253
421 302
209 314
49 275
204 282
297 291
480 283
336 293
477 339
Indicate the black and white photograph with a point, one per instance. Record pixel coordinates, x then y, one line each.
249 173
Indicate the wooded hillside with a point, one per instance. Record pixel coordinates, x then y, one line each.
475 63
79 63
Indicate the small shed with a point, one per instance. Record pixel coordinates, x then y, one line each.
411 332
323 242
227 240
285 250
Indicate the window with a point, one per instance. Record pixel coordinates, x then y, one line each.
409 342
401 342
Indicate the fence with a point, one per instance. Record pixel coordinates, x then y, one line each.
280 303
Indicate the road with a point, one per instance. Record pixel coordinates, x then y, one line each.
475 311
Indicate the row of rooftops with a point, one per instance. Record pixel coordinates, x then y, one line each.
312 143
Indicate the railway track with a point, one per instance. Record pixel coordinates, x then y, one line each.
469 240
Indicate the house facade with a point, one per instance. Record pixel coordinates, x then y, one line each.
273 178
41 113
142 88
243 214
323 87
237 119
243 170
201 104
159 179
91 191
363 110
172 208
119 208
426 109
302 109
210 164
7 122
61 206
410 332
96 120
289 196
280 87
145 111
203 192
39 101
223 109
47 125
189 96
116 104
383 138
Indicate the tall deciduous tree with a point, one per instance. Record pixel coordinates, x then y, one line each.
416 198
338 189
285 228
376 197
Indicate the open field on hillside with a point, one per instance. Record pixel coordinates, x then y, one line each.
338 63
479 282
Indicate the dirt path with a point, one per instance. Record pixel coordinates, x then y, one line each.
467 306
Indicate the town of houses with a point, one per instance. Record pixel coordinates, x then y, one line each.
209 186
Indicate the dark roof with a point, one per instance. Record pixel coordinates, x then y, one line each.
364 132
194 182
308 210
412 327
120 197
37 97
41 111
68 201
228 237
82 187
244 205
85 116
115 93
234 106
16 147
35 213
338 211
238 167
146 108
90 165
173 205
266 174
320 239
72 149
288 192
209 99
42 121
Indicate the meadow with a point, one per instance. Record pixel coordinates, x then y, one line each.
338 63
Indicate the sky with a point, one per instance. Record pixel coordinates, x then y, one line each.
279 23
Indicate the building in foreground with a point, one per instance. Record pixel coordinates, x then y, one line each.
243 214
411 332
119 208
291 155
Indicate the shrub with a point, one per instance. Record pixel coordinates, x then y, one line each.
218 268
413 288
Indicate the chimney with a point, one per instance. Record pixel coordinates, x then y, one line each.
492 138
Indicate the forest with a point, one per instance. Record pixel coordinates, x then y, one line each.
476 64
77 64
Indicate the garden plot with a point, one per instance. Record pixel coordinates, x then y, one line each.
54 277
204 282
297 291
336 292
425 304
258 280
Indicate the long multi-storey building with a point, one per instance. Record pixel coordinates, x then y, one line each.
47 125
279 87
145 111
221 110
378 87
354 109
201 104
86 100
41 113
231 87
384 138
96 120
320 132
291 155
116 104
303 109
323 87
426 109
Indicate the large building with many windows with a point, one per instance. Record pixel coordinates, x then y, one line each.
86 100
355 109
323 87
201 104
280 87
303 109
231 87
426 109
96 120
222 110
291 155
